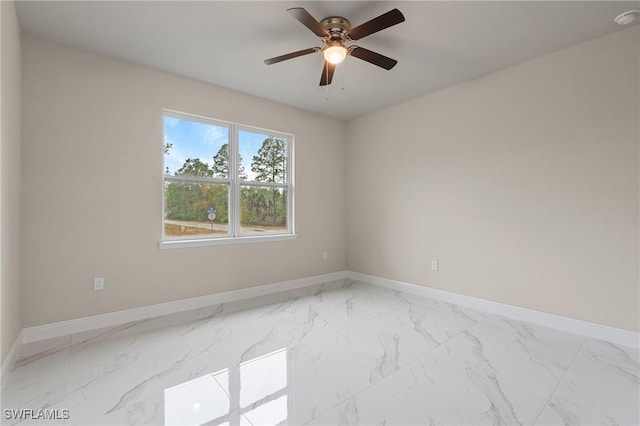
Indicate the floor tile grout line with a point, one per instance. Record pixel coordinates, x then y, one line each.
477 324
380 381
560 380
414 360
370 321
364 390
423 356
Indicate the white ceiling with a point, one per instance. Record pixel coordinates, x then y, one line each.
224 43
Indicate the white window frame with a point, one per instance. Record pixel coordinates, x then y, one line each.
235 185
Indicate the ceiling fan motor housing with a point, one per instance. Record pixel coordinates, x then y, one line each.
337 26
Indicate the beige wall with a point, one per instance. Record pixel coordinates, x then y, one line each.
523 184
9 177
92 188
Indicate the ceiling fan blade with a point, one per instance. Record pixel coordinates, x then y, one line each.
383 21
291 55
327 73
373 57
309 21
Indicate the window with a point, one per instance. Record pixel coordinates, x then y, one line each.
224 182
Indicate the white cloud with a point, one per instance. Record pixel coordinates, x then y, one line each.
215 136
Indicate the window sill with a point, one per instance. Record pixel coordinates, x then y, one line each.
224 241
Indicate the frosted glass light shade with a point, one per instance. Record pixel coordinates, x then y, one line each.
335 54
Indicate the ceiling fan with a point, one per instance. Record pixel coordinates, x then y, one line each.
336 33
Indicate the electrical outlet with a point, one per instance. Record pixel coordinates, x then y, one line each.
434 265
325 255
98 283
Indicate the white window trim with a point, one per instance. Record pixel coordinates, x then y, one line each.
219 241
233 236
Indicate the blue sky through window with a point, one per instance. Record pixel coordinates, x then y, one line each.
192 139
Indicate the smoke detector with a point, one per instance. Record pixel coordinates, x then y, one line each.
627 18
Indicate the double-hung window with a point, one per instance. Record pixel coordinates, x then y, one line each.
224 182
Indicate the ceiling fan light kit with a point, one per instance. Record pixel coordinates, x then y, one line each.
335 33
335 53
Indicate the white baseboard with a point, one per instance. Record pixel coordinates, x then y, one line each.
63 328
583 328
10 359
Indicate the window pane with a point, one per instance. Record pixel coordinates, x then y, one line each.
196 149
196 210
263 210
263 158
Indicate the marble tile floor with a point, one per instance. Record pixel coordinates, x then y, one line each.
344 353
